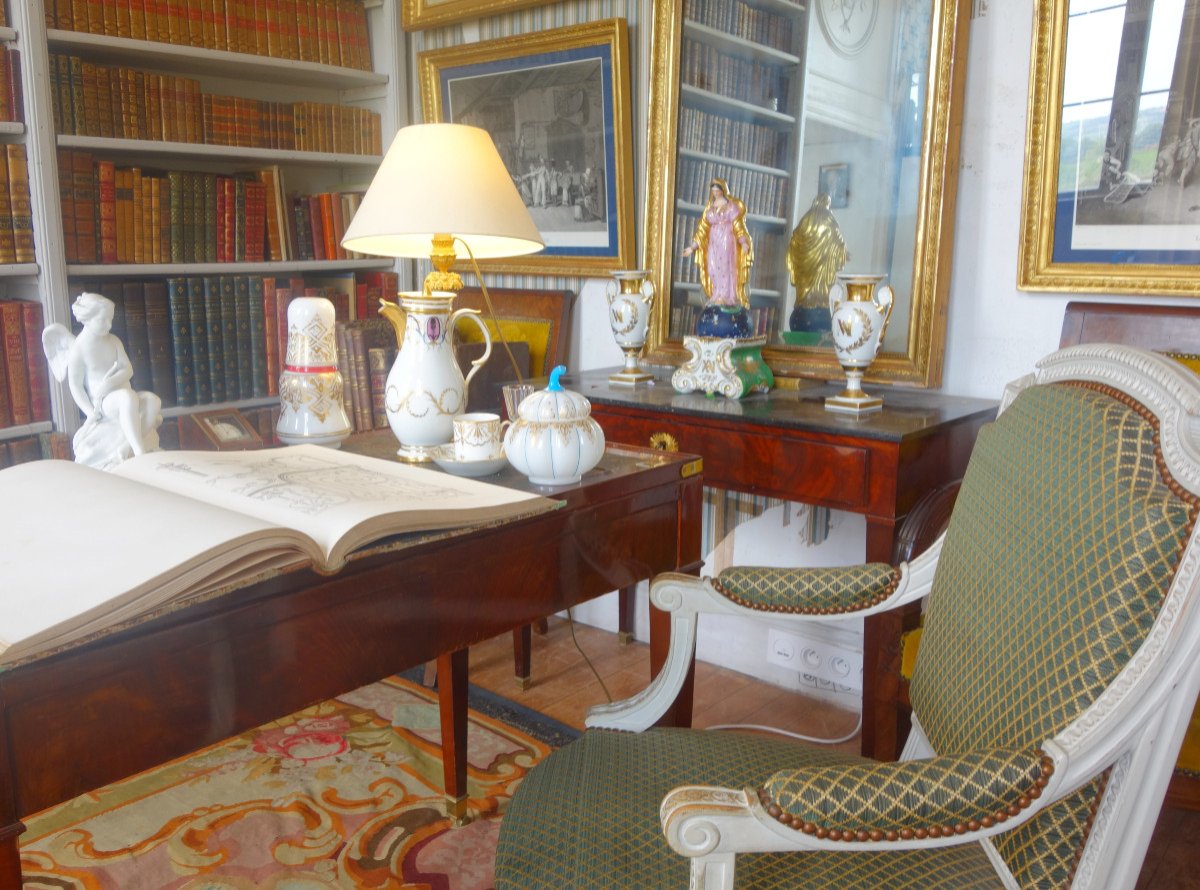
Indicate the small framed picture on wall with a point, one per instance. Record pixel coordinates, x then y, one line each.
834 180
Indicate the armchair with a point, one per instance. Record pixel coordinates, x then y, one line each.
1057 671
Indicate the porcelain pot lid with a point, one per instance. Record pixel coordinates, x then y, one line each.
554 404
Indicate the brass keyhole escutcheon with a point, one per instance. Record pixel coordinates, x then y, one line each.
664 442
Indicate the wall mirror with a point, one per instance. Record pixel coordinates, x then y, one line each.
858 99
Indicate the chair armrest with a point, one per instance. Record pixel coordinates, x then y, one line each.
822 591
815 595
939 802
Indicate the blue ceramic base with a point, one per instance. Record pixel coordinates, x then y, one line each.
724 322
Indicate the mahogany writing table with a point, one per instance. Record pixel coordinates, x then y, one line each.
77 720
785 444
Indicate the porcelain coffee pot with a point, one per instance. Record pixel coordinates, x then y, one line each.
425 389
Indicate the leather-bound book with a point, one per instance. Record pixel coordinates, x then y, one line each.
181 341
208 189
240 367
137 340
159 340
198 314
8 248
271 356
84 187
66 204
21 208
214 312
35 361
258 337
16 370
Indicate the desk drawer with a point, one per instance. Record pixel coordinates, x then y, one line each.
790 466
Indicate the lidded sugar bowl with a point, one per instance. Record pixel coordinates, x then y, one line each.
554 439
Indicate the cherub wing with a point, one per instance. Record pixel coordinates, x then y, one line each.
56 343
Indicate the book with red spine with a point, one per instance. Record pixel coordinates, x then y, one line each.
39 378
256 221
271 355
16 369
106 187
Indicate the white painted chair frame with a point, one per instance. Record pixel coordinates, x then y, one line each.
1136 725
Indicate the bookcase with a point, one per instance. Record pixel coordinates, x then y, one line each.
202 149
741 88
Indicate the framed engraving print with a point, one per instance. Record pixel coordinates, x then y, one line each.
557 106
1112 182
416 15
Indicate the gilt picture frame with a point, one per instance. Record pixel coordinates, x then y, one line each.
557 106
1108 195
416 15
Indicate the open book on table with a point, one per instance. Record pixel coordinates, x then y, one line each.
83 551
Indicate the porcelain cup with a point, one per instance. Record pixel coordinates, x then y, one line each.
478 436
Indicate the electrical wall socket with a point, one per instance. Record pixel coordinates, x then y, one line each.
817 658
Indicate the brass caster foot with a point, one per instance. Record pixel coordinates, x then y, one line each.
523 682
624 637
457 812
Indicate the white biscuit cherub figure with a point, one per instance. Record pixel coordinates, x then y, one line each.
119 422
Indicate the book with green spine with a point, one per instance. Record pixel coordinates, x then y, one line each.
181 341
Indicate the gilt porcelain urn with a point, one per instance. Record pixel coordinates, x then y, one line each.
861 306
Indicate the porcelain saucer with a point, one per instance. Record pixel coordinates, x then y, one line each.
444 457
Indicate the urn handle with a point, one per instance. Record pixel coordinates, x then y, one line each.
473 315
884 300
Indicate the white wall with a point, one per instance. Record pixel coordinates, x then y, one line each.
995 333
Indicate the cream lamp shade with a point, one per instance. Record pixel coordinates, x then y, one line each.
442 180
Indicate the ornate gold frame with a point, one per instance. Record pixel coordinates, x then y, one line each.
416 15
1036 268
921 364
611 32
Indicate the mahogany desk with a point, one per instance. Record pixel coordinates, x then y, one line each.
785 444
110 708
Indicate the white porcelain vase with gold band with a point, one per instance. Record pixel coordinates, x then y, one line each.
861 306
630 303
425 389
310 387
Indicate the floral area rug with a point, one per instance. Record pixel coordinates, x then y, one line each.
343 794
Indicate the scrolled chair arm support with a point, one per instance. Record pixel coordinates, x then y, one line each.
789 595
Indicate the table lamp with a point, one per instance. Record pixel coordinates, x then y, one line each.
440 186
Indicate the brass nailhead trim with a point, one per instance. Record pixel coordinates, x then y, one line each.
882 595
1045 771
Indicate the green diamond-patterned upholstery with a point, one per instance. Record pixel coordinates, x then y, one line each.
1060 550
913 795
813 591
587 817
1062 543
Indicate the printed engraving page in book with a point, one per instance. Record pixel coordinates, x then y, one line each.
82 551
340 500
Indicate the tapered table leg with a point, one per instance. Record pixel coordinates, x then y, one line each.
626 619
452 703
522 654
